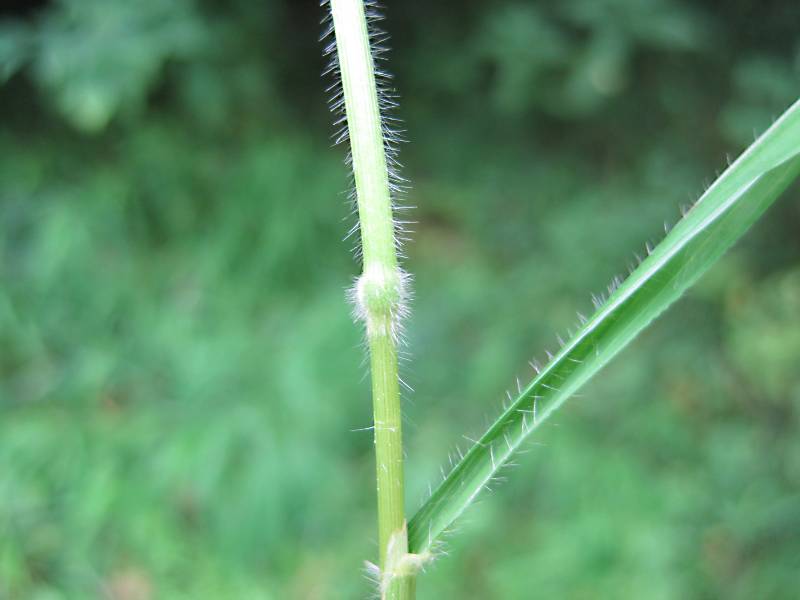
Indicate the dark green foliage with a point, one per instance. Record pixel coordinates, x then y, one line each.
172 314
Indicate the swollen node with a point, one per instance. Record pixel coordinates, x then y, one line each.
379 298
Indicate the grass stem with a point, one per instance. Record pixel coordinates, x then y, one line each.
379 291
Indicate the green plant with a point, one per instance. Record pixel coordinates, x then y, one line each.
379 295
720 217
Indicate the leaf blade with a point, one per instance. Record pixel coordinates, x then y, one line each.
720 217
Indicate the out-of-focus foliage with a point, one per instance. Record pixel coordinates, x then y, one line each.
95 58
180 383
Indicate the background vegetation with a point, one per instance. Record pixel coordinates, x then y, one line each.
180 383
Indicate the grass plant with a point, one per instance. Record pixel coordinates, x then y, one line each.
726 210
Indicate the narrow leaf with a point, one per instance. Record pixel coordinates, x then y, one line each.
719 218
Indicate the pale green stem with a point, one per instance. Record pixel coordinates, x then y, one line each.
379 289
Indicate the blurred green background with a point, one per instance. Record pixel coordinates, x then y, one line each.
181 386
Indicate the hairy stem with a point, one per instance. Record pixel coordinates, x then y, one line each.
379 290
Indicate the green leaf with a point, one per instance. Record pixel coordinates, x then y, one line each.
719 218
